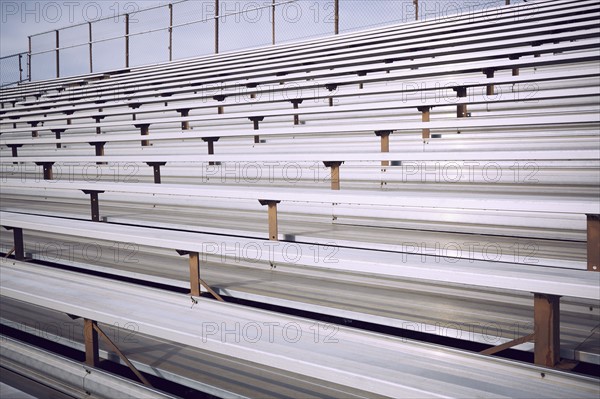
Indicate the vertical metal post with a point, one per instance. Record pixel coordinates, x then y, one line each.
57 55
90 39
20 69
47 169
416 3
273 230
171 32
507 2
216 26
385 143
211 146
126 40
94 204
489 73
425 118
90 335
156 170
272 211
461 109
194 274
29 58
593 243
335 173
185 125
336 16
18 241
335 177
95 207
547 329
145 131
273 21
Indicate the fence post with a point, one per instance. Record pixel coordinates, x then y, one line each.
57 55
336 16
29 59
273 21
170 31
507 2
416 3
90 37
126 40
216 26
20 69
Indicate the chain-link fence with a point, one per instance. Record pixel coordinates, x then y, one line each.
189 28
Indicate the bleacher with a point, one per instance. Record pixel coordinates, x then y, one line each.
438 177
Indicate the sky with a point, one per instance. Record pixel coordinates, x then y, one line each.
293 21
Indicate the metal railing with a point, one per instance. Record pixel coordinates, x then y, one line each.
188 28
14 69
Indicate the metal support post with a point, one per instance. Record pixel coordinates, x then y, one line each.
185 125
145 131
126 40
47 168
94 204
272 210
385 143
90 47
216 26
211 146
426 133
195 280
57 135
92 356
57 54
156 169
546 329
255 120
171 32
461 109
593 243
335 173
336 16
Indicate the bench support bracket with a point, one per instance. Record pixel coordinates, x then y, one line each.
461 109
255 120
98 118
426 133
57 134
507 345
185 125
211 146
156 169
489 73
335 173
91 331
19 246
546 329
99 150
90 334
34 133
145 130
14 150
195 280
121 355
593 243
295 103
94 204
47 167
385 143
273 227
